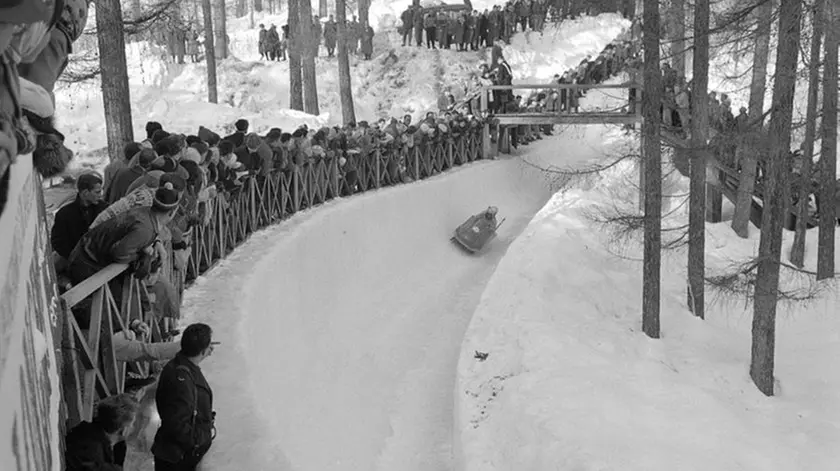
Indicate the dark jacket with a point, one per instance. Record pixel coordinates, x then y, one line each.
237 138
71 223
122 180
121 238
185 404
88 449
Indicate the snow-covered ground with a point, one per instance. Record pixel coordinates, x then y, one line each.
571 382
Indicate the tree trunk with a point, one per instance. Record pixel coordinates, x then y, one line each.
699 162
242 8
797 251
770 245
295 73
748 153
323 9
345 89
116 95
209 52
309 50
828 149
364 12
258 6
220 18
678 39
652 155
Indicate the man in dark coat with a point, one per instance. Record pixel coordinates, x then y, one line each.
330 36
73 219
238 137
185 404
407 18
146 160
90 445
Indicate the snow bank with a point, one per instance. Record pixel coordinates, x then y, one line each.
570 381
538 56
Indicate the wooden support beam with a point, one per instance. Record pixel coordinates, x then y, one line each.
566 119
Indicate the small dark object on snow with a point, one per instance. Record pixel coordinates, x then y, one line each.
481 356
478 230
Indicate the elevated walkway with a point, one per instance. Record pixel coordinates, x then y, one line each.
625 109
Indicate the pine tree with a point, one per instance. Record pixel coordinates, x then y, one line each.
295 72
797 251
652 155
309 49
762 363
116 95
209 52
345 88
699 143
828 148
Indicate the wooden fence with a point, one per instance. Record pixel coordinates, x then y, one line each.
91 370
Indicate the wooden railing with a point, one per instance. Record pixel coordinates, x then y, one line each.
91 370
90 367
567 109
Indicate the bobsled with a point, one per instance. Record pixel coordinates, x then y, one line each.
474 234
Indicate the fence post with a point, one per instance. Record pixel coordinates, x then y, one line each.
377 159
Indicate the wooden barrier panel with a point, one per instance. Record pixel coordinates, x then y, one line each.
31 431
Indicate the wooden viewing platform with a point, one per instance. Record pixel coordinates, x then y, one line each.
630 112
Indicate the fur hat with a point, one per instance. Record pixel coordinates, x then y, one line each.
158 135
166 198
242 125
225 147
151 128
204 133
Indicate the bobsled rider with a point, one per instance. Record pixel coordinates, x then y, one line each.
490 214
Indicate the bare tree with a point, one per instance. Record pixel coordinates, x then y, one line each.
209 52
258 6
828 148
699 161
323 8
651 98
797 251
364 12
295 72
309 49
678 40
762 363
748 153
242 8
345 89
116 95
220 17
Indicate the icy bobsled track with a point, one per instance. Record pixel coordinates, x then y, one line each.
341 327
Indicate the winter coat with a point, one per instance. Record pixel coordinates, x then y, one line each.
237 138
122 238
316 32
330 34
407 18
255 161
88 448
123 179
429 20
185 404
367 41
71 223
263 41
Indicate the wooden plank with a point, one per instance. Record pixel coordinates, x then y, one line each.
87 287
567 119
562 86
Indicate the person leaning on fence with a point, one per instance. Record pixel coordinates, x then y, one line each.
185 404
90 445
131 237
